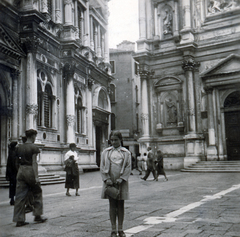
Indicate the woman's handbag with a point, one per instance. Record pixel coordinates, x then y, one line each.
112 191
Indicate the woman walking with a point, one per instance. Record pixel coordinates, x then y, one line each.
11 172
72 171
159 165
115 170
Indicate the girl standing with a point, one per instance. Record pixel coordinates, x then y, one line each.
115 170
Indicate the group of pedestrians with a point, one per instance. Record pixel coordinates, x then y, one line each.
115 168
154 165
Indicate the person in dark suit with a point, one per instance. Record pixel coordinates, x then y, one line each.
11 171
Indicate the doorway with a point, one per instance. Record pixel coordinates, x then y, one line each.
98 144
232 125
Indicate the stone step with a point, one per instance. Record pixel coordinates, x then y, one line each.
214 167
45 179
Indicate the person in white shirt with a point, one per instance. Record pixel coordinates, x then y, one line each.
72 171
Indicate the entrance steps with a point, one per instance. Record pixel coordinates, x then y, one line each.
214 167
45 179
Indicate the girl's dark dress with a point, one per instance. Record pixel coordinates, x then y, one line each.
72 174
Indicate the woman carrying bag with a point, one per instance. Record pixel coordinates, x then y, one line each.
72 171
115 170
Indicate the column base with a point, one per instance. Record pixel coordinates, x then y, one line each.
212 153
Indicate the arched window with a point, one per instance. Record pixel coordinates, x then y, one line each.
112 93
39 102
48 106
102 100
79 115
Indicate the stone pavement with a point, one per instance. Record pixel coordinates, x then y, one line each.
189 204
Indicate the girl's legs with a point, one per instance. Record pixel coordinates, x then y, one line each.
113 213
120 213
77 194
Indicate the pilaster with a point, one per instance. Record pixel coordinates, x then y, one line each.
211 149
68 73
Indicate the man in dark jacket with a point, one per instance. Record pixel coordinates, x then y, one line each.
150 164
27 178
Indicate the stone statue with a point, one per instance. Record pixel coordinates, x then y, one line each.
167 22
171 111
214 7
231 5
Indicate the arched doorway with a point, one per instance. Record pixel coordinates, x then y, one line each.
232 125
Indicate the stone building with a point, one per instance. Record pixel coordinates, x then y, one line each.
189 56
54 77
125 95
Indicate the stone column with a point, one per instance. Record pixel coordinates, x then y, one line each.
156 35
189 65
211 149
87 26
144 75
91 33
15 76
58 12
187 35
68 12
31 45
99 53
142 19
68 72
89 112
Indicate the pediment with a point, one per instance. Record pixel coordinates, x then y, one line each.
167 81
231 64
8 45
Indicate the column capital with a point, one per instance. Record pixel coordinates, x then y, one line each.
67 2
31 44
145 71
189 63
14 74
69 70
208 89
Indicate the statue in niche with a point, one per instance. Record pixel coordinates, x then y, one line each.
171 112
167 22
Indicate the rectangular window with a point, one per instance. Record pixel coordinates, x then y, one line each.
136 67
113 66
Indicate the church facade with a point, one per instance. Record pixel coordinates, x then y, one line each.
189 58
54 77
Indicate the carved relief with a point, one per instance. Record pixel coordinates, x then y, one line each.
218 6
70 120
31 43
32 109
144 117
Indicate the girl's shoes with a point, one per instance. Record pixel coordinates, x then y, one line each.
114 234
68 194
121 234
77 194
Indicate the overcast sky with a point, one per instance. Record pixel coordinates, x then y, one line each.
123 21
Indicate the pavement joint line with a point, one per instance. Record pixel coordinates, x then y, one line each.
172 216
81 189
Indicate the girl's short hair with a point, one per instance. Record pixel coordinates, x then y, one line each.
117 134
71 145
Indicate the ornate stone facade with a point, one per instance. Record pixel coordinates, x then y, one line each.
192 46
51 79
